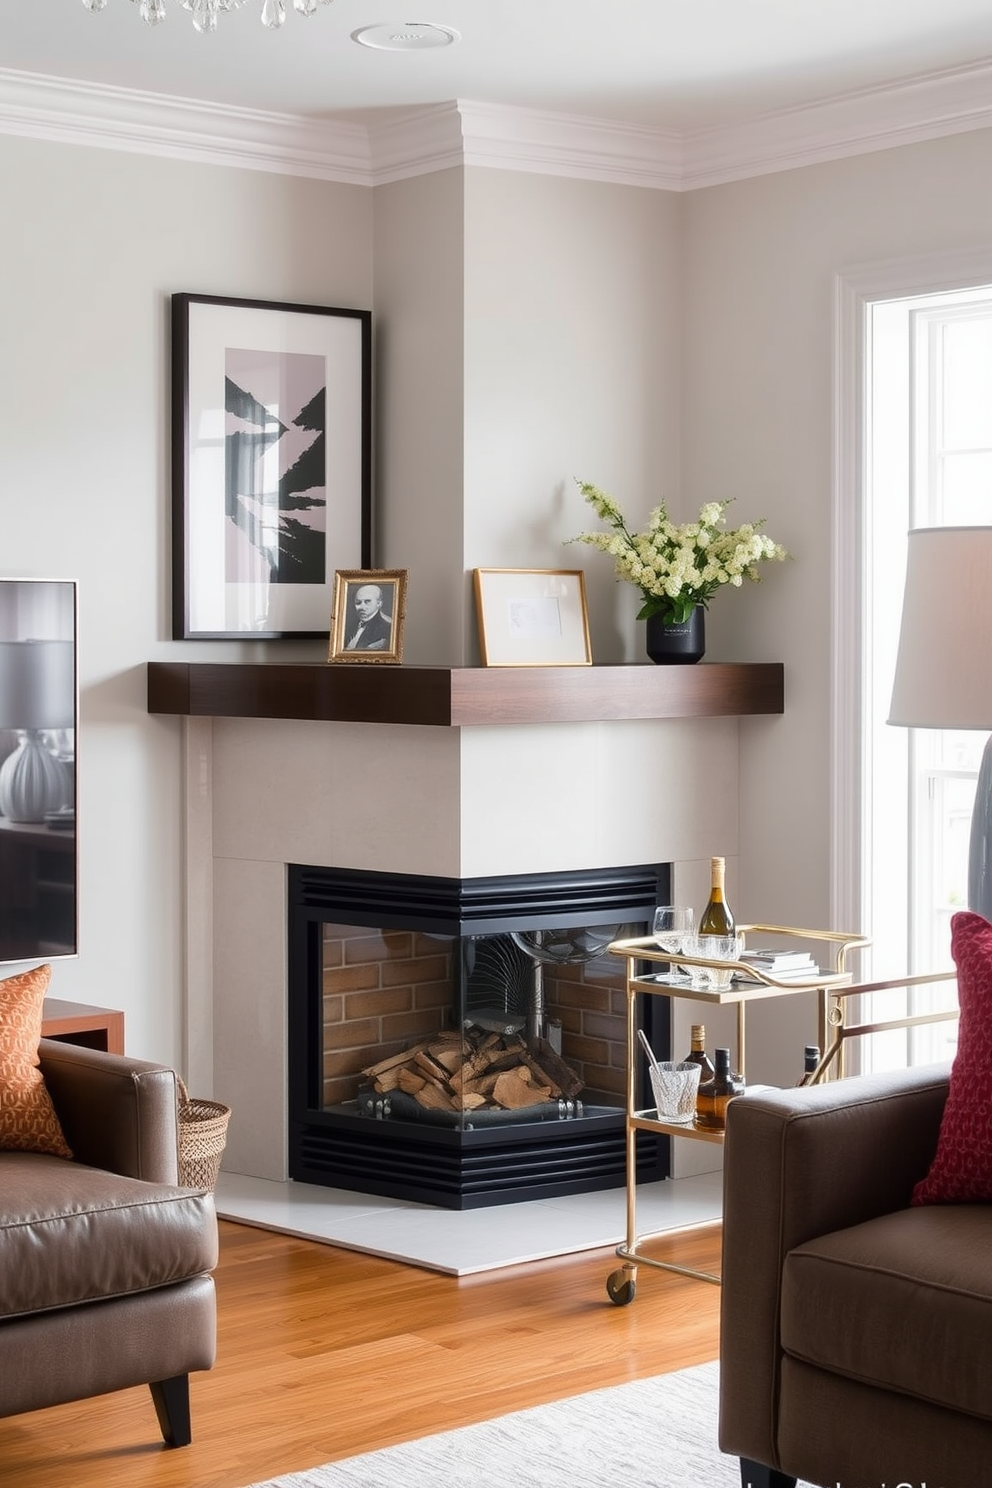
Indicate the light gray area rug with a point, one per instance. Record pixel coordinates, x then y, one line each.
652 1433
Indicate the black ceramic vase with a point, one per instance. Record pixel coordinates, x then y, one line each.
676 645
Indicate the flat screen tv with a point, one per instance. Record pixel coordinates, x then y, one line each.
38 721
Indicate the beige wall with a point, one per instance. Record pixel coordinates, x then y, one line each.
527 333
760 263
101 240
658 344
94 242
419 339
572 323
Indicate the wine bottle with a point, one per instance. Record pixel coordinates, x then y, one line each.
811 1058
716 1094
716 918
697 1052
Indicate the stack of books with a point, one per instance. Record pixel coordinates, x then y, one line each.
783 966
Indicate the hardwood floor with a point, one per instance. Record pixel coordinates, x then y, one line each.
325 1353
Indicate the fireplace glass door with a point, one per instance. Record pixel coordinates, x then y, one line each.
470 1030
443 1030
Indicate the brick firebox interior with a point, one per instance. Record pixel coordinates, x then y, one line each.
386 989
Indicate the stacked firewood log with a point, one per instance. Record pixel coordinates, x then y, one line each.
474 1069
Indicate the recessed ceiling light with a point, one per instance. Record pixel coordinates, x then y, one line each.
407 36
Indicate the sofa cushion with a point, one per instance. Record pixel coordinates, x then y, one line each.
961 1171
28 1122
903 1302
71 1234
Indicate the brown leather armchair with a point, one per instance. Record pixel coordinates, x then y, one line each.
856 1346
105 1261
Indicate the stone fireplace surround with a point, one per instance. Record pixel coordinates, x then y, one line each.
446 798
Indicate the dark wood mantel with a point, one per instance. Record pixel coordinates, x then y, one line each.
457 697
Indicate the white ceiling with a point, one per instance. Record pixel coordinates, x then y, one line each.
671 64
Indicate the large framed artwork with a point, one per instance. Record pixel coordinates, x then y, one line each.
271 464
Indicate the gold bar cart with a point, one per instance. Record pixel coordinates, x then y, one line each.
759 986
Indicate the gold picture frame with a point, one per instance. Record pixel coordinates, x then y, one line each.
368 616
532 617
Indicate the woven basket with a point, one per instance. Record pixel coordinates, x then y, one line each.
202 1137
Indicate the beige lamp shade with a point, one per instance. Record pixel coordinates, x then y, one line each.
944 664
943 676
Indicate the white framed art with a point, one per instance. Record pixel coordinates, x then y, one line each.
532 617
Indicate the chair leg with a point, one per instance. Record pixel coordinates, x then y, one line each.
756 1475
171 1399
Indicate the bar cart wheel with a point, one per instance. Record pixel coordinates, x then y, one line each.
621 1286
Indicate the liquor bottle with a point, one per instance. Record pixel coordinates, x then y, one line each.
716 1094
811 1058
697 1052
716 918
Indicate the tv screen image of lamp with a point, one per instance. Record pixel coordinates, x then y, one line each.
38 717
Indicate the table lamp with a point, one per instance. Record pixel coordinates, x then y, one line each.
37 693
943 676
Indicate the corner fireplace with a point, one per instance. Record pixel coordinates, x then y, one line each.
462 1042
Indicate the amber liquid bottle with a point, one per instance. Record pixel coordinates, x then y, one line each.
716 1094
697 1052
716 918
811 1058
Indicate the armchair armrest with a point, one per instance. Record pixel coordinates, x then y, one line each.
117 1113
797 1164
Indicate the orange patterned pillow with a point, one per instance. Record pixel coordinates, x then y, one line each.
28 1122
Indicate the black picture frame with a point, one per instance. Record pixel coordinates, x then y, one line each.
271 464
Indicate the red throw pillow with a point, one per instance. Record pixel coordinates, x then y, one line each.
961 1171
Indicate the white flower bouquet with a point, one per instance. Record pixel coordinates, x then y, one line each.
678 567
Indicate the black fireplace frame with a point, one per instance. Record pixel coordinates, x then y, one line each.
449 1167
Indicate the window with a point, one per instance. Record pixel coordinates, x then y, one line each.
928 462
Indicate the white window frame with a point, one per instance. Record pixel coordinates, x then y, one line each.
856 288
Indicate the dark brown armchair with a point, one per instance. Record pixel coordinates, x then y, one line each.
856 1331
105 1261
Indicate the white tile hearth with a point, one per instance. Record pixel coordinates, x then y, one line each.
463 1242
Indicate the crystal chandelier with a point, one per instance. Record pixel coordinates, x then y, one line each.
205 12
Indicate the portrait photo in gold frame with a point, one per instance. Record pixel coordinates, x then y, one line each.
532 617
369 614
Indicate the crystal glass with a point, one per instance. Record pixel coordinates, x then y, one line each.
673 925
713 948
675 1086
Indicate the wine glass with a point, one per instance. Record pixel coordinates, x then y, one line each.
673 924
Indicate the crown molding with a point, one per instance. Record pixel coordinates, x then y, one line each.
566 145
463 132
504 138
415 142
948 102
52 108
